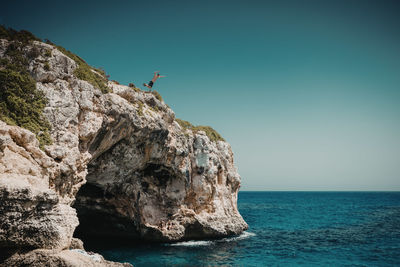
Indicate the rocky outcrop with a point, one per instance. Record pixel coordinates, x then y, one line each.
33 215
120 159
63 258
159 183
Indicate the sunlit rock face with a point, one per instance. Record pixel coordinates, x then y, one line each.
160 184
31 213
118 161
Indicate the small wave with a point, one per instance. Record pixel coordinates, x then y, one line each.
196 243
192 243
243 235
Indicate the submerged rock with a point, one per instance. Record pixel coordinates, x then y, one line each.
120 159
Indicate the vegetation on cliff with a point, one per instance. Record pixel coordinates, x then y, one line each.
20 102
95 76
157 95
210 132
12 35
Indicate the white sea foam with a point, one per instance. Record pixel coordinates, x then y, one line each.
194 243
243 235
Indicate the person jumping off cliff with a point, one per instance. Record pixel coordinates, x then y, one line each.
155 77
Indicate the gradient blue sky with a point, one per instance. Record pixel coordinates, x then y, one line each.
306 92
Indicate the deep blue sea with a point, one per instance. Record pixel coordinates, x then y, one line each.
291 229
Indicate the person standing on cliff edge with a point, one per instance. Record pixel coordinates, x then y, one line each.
155 77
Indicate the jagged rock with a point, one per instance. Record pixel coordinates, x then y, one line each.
64 258
120 158
160 185
61 67
76 243
31 214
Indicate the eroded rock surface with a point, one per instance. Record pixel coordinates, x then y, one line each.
159 184
64 258
119 158
31 213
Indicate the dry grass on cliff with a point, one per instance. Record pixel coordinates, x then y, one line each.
95 76
212 134
157 95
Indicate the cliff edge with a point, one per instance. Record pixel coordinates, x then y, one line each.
99 159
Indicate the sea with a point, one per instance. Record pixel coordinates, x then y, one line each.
290 229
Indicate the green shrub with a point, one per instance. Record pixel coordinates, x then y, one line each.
46 66
184 124
136 89
101 71
22 104
22 36
157 95
212 134
154 109
33 53
140 108
4 61
18 61
84 71
4 33
47 53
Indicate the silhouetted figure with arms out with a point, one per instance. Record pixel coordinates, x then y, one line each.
155 77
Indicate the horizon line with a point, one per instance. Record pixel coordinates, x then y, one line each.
392 191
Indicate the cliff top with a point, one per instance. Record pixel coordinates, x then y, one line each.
22 104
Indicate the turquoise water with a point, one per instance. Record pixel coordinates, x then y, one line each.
290 229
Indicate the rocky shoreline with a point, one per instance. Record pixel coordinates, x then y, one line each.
119 165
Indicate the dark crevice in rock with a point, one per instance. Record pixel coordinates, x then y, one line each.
98 217
98 139
90 191
99 206
5 252
112 131
158 135
60 184
160 173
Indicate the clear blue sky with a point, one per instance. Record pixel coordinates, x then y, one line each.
306 92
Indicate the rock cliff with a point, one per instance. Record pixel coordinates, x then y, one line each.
118 161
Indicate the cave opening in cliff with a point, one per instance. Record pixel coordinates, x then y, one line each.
101 208
109 213
99 224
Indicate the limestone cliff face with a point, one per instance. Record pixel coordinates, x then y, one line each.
31 213
148 178
120 159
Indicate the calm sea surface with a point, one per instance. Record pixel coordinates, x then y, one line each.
290 229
